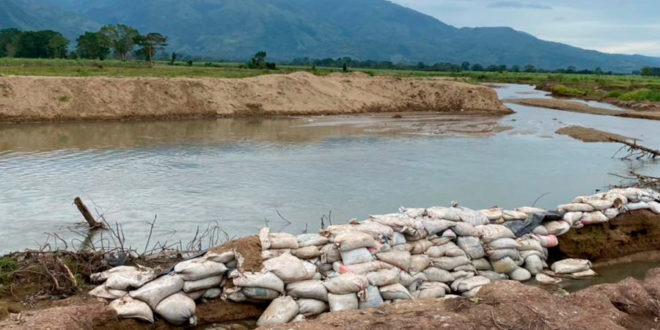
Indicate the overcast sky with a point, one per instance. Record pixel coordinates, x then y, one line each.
613 26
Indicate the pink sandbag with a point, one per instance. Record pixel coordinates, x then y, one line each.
547 241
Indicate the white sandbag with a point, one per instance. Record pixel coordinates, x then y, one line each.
465 229
307 252
472 293
260 294
435 274
354 240
540 230
448 250
509 215
212 293
481 264
129 308
129 280
280 310
330 253
310 289
441 240
534 264
311 240
611 213
545 279
547 241
558 228
397 239
449 233
103 276
654 206
343 302
469 283
504 266
374 229
443 213
395 291
418 247
459 275
362 268
398 222
590 218
432 290
282 241
222 257
494 255
177 309
289 268
584 274
572 217
493 275
530 210
199 268
102 292
194 295
504 243
370 298
346 283
434 226
600 204
155 291
234 294
449 263
384 277
356 256
490 233
568 266
526 253
399 259
309 307
203 284
270 254
418 263
263 238
266 280
520 275
493 214
411 280
472 246
636 206
472 217
528 243
575 207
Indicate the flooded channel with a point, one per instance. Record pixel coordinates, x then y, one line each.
239 174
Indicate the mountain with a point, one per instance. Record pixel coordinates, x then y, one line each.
361 29
42 15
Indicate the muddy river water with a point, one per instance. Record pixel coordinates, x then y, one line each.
239 173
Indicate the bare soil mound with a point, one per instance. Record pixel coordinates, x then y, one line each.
591 135
60 98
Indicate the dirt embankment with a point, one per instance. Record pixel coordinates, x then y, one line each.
591 135
572 106
59 98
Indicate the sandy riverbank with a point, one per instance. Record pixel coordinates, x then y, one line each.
573 106
60 98
586 134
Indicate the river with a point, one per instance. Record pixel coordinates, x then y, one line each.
238 174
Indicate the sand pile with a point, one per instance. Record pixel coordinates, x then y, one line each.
66 98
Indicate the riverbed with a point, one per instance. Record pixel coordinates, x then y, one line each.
240 174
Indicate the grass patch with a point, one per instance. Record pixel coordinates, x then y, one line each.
562 90
7 265
63 98
641 95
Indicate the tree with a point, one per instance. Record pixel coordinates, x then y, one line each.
120 38
173 58
515 68
465 66
9 42
650 71
530 68
258 61
151 44
477 67
92 45
42 44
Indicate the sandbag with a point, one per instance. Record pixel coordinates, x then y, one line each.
481 264
520 275
289 268
329 254
654 206
449 263
568 266
465 229
399 259
490 233
449 234
599 204
307 252
572 217
282 241
468 284
270 254
105 293
472 217
435 274
590 218
362 268
584 274
103 276
575 207
441 240
395 291
540 230
311 240
418 263
129 308
509 215
370 298
194 295
155 291
354 240
384 277
398 222
374 229
177 309
309 307
342 302
280 310
260 294
534 264
611 213
434 226
418 247
504 243
494 255
493 275
212 293
310 289
530 210
432 290
493 214
203 284
129 279
547 241
346 283
558 228
472 246
199 268
266 280
443 213
504 266
413 212
222 257
528 244
356 256
448 250
397 239
526 226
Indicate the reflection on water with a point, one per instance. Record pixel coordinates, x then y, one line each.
240 172
611 274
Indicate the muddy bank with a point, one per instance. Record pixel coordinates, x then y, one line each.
628 234
586 134
572 106
629 304
59 98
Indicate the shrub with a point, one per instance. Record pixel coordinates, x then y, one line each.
562 90
641 95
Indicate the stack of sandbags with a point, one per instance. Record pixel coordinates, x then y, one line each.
498 215
572 268
503 253
116 282
533 254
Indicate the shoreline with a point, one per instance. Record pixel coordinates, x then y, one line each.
54 99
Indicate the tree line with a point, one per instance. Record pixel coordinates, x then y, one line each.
118 40
650 72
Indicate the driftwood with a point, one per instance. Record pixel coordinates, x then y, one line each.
633 146
87 215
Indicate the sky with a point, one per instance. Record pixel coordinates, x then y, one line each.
612 26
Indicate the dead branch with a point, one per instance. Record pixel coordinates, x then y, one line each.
93 224
632 147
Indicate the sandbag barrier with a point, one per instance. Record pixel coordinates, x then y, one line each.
416 253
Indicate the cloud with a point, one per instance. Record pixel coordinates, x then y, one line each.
518 5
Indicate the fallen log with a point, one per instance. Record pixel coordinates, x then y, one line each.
93 224
634 146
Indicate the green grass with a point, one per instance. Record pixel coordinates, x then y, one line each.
622 87
7 265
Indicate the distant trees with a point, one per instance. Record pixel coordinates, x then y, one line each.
650 72
37 44
120 38
151 44
9 42
258 61
92 45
